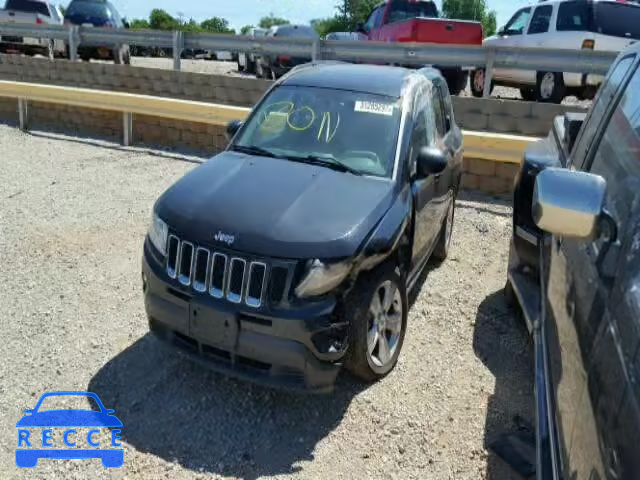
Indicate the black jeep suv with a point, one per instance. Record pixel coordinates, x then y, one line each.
575 273
290 254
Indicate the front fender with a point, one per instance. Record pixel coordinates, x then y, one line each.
388 234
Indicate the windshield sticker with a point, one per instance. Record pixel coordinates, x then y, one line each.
301 119
374 107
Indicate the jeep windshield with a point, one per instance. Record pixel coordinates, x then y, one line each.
344 130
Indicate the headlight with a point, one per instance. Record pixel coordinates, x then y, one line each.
322 277
158 232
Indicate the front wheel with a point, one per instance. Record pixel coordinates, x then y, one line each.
528 94
477 83
377 312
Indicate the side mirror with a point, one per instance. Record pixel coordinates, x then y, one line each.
126 24
360 28
500 32
431 161
568 202
232 128
29 411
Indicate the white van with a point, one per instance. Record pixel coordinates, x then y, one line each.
563 24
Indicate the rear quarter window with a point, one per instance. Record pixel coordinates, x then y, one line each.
29 6
617 19
574 16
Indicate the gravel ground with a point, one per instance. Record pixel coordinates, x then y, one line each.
72 222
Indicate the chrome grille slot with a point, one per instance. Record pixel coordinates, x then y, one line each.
201 269
218 274
235 281
172 256
185 263
255 285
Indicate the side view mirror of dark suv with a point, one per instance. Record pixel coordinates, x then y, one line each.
568 203
232 128
431 161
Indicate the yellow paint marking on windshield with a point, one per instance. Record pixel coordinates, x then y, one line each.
301 128
326 121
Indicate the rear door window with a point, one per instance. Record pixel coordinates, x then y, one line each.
599 109
28 6
540 20
574 16
617 158
617 19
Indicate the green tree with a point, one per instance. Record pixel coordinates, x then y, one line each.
140 23
271 21
245 30
160 20
471 10
216 25
330 24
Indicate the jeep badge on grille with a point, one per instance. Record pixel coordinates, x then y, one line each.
224 237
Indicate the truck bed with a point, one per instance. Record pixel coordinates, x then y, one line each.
433 30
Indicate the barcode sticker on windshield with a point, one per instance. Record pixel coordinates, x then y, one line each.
374 107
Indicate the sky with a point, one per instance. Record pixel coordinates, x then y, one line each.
248 12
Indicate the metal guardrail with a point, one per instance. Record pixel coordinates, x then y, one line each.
415 54
496 147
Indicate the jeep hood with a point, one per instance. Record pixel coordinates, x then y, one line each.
274 207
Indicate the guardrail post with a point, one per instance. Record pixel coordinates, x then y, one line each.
74 40
127 128
488 73
316 54
178 45
23 114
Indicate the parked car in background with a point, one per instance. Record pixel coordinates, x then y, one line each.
291 253
418 21
562 24
274 66
35 12
574 273
99 14
345 36
247 61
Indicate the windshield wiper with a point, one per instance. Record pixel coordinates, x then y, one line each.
254 150
328 161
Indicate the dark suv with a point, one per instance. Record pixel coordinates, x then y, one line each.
290 254
102 14
575 273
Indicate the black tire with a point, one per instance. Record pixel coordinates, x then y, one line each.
528 94
550 87
127 57
476 82
457 82
441 252
358 360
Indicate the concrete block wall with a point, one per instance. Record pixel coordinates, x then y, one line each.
508 116
243 92
487 176
491 115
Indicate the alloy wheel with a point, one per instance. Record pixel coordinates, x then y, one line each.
385 324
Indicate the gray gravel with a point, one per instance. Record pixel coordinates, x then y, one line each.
72 222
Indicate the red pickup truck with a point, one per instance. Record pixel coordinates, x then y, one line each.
417 21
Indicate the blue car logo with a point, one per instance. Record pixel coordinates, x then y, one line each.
31 448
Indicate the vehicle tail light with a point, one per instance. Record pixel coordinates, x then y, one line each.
588 44
39 21
284 58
